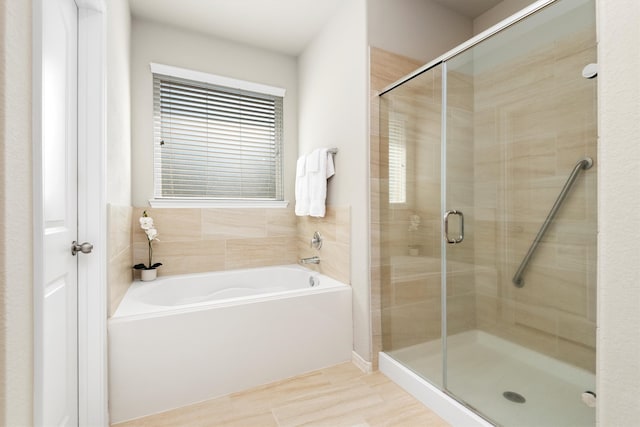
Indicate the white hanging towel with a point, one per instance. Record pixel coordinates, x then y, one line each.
301 188
319 168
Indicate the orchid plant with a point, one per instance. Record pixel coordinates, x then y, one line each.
414 222
414 225
146 223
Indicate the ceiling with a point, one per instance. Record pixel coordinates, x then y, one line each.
284 26
469 8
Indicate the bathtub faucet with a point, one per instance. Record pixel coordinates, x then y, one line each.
312 260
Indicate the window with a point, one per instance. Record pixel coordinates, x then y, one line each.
397 160
215 138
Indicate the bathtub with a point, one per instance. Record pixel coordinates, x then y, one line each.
184 339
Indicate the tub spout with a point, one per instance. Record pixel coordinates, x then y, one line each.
312 260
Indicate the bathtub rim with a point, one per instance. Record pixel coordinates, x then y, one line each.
157 310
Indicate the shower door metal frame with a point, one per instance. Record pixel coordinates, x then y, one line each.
502 25
443 240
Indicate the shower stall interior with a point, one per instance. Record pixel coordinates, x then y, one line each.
488 220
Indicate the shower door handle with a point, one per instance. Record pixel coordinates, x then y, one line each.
460 237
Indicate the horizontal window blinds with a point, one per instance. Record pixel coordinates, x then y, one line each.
397 160
213 142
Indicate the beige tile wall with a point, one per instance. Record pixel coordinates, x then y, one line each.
200 240
410 289
119 273
411 293
530 130
385 68
405 294
335 254
461 295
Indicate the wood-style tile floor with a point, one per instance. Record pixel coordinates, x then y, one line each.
341 395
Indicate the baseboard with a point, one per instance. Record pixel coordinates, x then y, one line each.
364 366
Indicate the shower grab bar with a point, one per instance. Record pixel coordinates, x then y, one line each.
583 164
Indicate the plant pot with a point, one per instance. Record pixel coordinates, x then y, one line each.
148 275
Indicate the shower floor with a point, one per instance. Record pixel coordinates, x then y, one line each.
481 367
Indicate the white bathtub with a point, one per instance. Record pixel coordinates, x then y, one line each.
184 339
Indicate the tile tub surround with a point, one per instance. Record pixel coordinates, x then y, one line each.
335 254
197 240
200 240
119 273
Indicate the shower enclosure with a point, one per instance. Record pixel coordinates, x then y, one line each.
488 220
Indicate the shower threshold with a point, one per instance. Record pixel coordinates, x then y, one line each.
481 369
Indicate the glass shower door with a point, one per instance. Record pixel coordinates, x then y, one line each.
519 118
410 254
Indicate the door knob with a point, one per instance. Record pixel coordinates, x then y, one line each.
85 248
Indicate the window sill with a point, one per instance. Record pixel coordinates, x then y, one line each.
174 203
398 205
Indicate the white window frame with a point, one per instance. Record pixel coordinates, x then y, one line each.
231 83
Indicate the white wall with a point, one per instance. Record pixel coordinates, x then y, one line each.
171 46
418 29
497 13
118 103
618 345
333 97
16 222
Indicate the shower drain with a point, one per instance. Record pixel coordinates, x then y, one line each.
514 397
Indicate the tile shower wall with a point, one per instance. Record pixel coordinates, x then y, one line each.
519 170
410 259
385 68
461 295
411 290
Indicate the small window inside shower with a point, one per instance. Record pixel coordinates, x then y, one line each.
397 159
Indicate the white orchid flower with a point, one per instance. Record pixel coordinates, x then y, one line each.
415 222
152 233
146 222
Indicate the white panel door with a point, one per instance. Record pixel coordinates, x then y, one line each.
59 287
